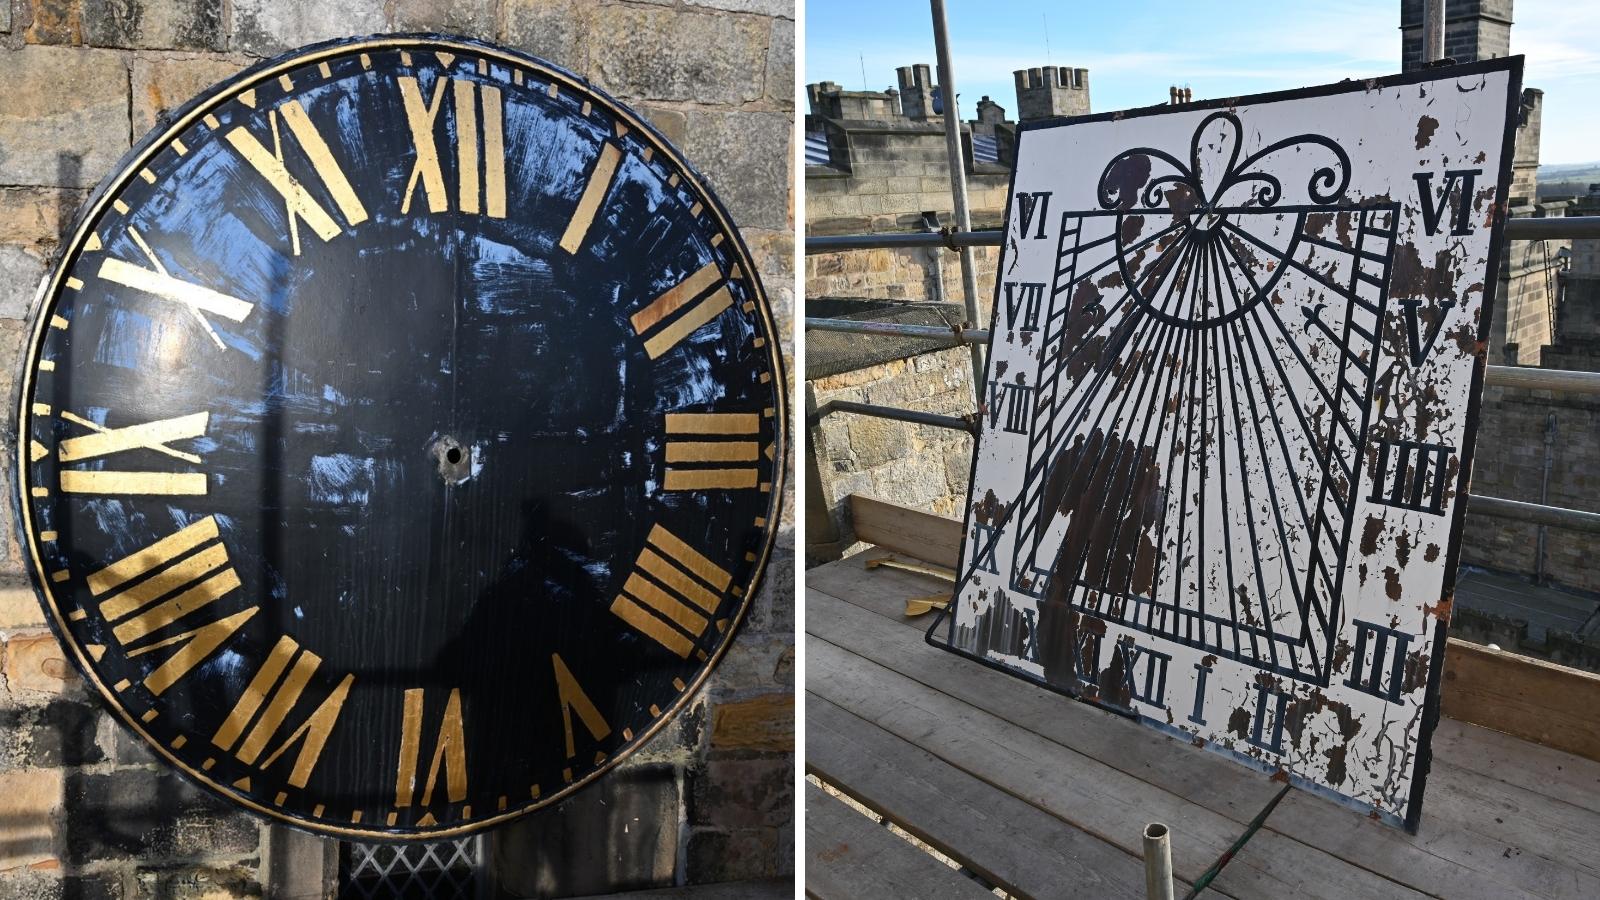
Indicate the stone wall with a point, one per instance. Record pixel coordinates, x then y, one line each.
84 810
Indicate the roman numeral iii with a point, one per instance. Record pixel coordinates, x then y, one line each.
170 581
671 593
712 451
471 143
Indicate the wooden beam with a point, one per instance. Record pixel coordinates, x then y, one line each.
1521 696
1524 697
925 536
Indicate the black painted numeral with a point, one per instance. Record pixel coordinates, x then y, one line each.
1388 646
1024 297
1015 400
1032 207
1433 206
1411 475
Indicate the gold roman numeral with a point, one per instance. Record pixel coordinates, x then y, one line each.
137 600
420 117
297 200
666 596
695 463
449 749
692 292
103 441
267 702
594 193
156 282
573 699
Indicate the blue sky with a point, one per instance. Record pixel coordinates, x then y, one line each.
1134 49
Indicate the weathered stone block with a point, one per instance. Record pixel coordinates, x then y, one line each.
743 793
658 53
620 834
761 723
150 813
780 63
28 800
740 854
197 883
63 115
470 17
37 215
151 24
763 7
61 733
746 157
36 663
560 31
161 85
773 610
671 123
19 608
268 27
22 268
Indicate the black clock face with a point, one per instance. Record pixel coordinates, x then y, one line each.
401 437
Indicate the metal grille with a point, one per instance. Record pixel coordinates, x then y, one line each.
434 870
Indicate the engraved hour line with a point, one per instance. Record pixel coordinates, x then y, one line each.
701 452
680 574
299 202
267 702
157 282
128 599
666 336
573 699
605 168
450 749
150 436
420 117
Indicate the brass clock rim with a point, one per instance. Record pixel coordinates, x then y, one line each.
158 139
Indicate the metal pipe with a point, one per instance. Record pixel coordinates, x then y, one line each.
1432 30
1519 229
958 181
955 335
1536 513
1544 491
1157 862
1543 379
916 417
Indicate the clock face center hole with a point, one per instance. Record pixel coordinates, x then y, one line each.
454 459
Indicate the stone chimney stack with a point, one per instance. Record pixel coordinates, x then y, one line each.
1050 91
990 112
916 91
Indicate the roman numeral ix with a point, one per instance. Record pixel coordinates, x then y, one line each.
103 441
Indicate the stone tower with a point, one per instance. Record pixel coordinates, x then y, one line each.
916 91
1473 30
1051 91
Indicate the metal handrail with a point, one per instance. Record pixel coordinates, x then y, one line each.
1519 229
1496 376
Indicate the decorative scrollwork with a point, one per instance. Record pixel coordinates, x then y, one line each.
1214 170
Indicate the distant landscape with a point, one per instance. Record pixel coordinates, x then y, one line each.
1567 180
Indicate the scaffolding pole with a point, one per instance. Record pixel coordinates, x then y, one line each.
958 183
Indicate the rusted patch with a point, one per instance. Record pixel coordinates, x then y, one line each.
1426 126
1391 582
1369 535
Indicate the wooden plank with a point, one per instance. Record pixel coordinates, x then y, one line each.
1521 696
1528 698
1081 790
1012 844
929 538
1445 858
1542 770
849 857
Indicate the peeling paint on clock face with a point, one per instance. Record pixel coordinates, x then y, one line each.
1233 381
402 436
